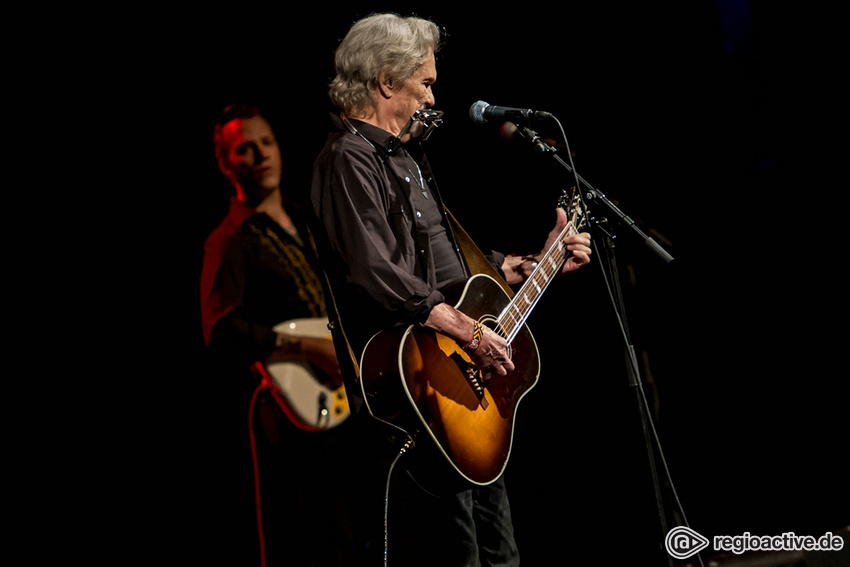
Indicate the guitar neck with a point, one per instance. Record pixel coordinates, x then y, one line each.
515 314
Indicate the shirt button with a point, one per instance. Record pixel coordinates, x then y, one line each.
418 214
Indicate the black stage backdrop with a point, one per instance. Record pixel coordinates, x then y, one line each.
688 116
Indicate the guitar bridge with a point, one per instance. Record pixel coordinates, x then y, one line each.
473 377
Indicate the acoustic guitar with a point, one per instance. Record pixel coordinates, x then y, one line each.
424 383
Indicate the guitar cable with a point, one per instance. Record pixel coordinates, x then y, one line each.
256 465
408 444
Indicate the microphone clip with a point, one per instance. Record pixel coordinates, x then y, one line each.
533 138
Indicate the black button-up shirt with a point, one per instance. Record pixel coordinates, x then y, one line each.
374 239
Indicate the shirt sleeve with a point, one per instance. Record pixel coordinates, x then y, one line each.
371 232
228 328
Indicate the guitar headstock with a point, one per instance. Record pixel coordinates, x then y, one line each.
570 201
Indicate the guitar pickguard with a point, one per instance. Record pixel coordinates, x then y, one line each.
307 397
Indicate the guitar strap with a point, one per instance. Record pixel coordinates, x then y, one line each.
348 364
476 261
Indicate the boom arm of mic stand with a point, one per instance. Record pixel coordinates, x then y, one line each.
594 195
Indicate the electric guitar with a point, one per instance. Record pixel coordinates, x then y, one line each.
305 394
425 384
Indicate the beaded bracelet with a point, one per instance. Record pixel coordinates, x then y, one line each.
476 337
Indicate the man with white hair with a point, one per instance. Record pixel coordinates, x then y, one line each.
388 247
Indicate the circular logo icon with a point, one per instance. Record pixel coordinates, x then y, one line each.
682 542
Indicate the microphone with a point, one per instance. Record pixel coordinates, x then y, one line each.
482 112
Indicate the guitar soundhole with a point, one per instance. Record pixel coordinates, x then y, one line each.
493 324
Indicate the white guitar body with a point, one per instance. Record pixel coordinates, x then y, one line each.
310 403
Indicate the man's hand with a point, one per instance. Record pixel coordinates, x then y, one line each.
577 244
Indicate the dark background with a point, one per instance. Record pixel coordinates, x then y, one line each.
694 118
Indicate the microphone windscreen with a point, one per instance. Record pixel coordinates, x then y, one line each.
476 111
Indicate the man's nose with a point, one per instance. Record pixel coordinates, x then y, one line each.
262 154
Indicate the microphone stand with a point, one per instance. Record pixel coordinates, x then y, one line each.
594 196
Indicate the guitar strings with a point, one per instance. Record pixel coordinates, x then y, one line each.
532 290
579 207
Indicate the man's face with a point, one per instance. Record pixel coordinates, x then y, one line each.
416 92
251 154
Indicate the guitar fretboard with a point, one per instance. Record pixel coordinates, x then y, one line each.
515 314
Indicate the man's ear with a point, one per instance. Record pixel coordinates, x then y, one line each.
385 84
223 167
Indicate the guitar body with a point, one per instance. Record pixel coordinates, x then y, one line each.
307 397
424 383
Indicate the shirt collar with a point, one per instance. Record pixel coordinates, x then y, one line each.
378 137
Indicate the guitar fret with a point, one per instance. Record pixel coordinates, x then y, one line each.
519 313
524 301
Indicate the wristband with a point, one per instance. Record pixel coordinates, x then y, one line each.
476 337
